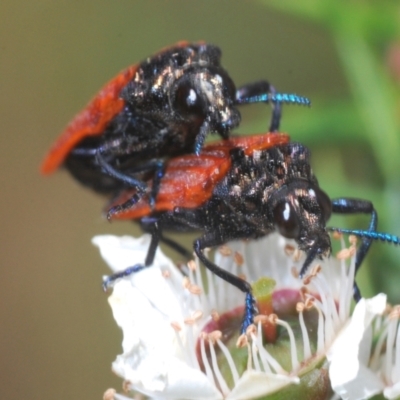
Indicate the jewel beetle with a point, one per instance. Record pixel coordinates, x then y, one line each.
245 188
160 108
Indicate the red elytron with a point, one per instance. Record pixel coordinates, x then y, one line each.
91 121
94 118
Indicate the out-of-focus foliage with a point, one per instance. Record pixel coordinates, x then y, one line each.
363 130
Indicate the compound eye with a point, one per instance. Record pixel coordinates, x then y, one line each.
188 102
286 220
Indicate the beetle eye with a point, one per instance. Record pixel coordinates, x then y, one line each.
286 220
188 102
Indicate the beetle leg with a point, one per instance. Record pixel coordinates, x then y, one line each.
124 206
250 94
151 252
128 180
159 171
147 225
356 206
211 240
156 165
201 137
254 89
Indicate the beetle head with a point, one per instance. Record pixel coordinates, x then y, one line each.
300 211
206 93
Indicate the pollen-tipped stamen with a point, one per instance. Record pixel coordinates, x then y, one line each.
212 338
300 307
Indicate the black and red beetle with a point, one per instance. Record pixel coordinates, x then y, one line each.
244 188
160 108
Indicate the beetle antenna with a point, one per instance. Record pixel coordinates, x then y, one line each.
286 98
383 237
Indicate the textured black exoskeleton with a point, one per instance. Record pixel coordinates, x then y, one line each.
266 191
160 108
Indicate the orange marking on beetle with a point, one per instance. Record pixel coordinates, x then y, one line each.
91 121
95 117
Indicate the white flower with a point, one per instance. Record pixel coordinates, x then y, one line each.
179 339
350 354
388 363
365 359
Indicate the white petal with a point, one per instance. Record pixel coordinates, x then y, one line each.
253 384
149 341
392 392
349 374
141 319
188 383
123 252
118 396
171 379
144 305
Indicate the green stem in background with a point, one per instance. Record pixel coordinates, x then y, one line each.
353 27
374 100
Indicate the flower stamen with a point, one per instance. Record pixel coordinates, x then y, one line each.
321 327
229 359
204 358
267 360
215 315
255 352
300 307
238 259
212 338
242 341
326 304
195 289
293 347
289 249
225 250
201 339
109 394
196 276
197 315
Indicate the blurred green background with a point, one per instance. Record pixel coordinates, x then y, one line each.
58 338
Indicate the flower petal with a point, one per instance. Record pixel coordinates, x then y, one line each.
123 252
348 356
144 305
392 392
253 384
171 379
